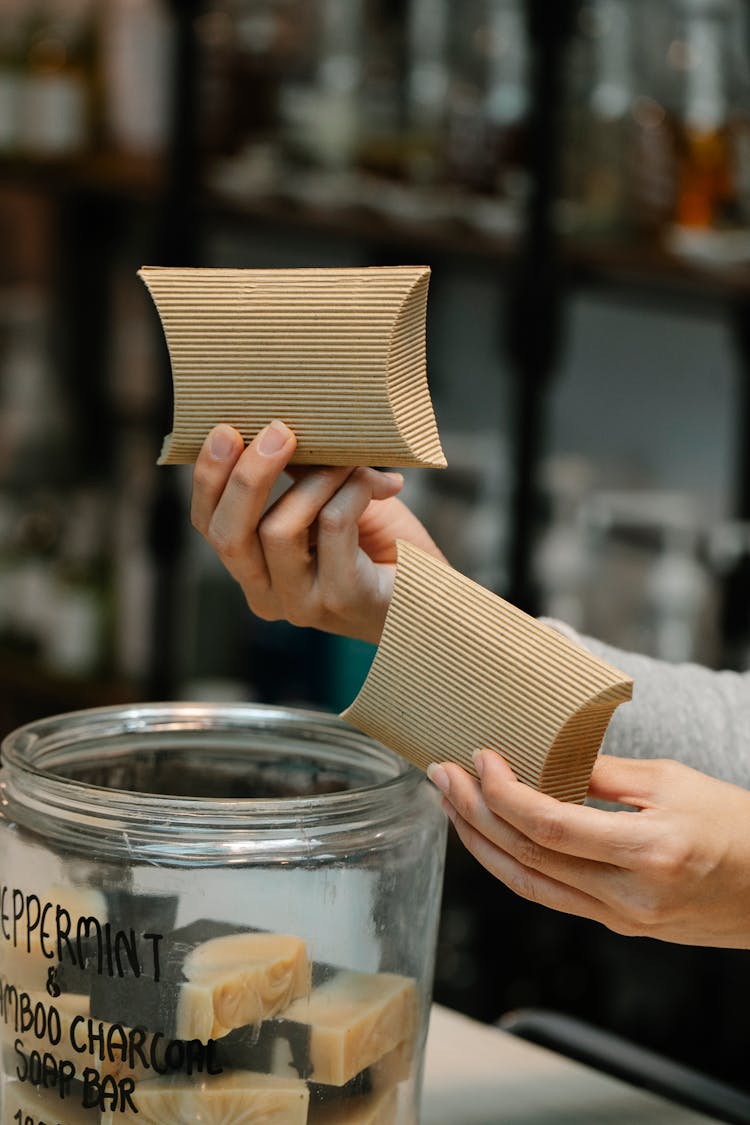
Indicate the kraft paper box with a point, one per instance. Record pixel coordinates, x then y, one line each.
336 354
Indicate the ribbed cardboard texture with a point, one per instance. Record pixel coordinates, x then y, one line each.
337 354
459 669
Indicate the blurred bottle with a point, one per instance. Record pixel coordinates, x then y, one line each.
506 96
679 596
651 591
275 53
599 160
60 103
13 19
427 89
468 165
335 121
740 107
319 104
487 96
699 52
653 167
137 48
382 98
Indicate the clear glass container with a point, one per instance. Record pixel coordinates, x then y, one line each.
223 914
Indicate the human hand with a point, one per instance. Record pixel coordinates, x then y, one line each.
324 554
677 869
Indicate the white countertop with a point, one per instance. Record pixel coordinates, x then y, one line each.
479 1075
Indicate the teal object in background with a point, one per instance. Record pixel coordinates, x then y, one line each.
348 664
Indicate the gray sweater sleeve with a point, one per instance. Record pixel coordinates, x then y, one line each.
682 711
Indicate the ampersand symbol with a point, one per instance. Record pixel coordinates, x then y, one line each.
52 986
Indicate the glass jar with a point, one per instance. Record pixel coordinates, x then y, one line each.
223 914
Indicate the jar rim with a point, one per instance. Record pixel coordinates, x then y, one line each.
35 791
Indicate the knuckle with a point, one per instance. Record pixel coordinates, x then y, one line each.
254 580
668 859
244 479
667 772
465 804
202 477
468 835
226 545
332 519
274 534
363 475
493 794
649 911
299 616
530 854
336 602
524 885
547 829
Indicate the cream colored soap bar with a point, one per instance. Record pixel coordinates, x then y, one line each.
459 669
337 354
251 976
352 1021
237 1098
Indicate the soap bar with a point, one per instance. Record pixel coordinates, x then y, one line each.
214 977
239 1098
382 1076
337 354
350 1021
251 976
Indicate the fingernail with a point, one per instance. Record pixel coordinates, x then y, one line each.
222 442
478 759
273 438
397 478
439 777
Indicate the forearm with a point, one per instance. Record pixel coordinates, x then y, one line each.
682 711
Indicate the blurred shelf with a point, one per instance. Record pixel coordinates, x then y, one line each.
123 176
632 265
451 237
648 266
